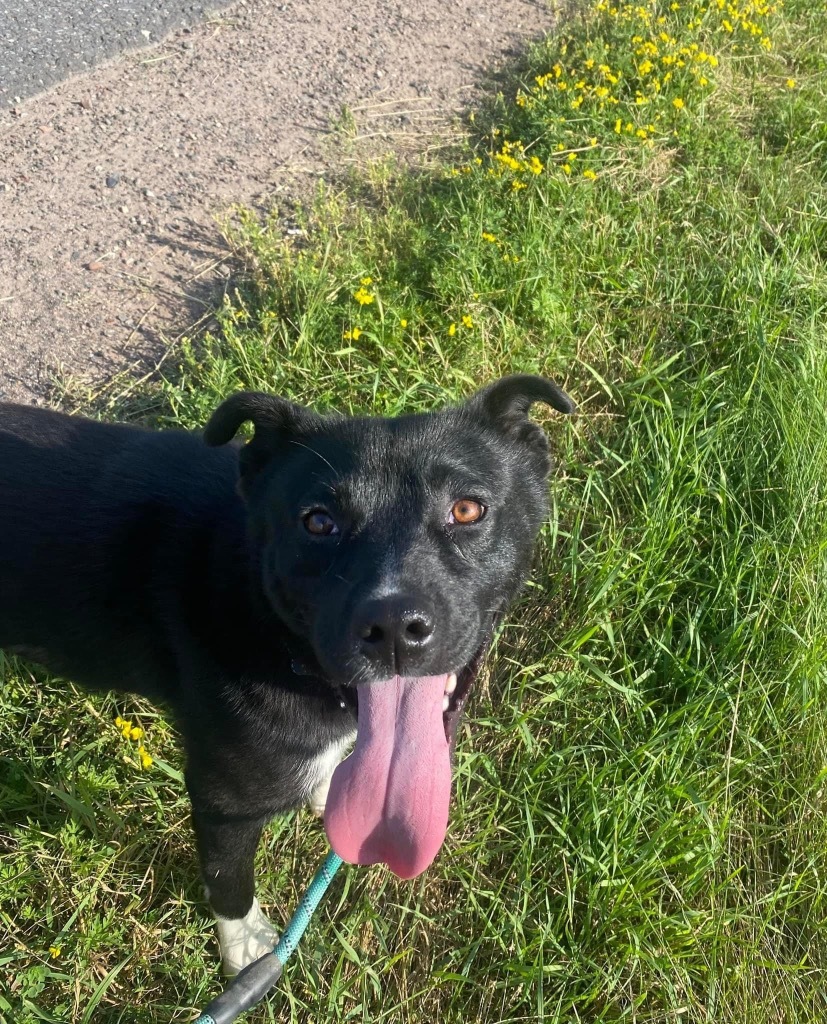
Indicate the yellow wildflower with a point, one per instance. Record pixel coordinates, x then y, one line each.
517 185
452 330
535 166
403 323
566 168
790 83
678 103
467 321
54 952
488 237
363 297
590 174
146 759
367 280
136 733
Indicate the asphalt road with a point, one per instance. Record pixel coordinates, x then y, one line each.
45 41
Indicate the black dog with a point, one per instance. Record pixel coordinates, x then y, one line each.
355 565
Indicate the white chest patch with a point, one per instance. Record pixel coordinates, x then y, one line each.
320 771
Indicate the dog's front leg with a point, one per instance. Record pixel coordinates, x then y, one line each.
226 849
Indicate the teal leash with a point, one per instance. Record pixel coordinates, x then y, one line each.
252 984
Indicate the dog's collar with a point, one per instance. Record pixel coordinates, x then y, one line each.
303 668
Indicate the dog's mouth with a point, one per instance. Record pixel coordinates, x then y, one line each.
389 800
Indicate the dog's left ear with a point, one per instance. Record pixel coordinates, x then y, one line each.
274 419
505 404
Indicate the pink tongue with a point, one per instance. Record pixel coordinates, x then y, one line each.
388 801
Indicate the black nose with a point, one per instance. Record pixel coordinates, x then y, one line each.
394 631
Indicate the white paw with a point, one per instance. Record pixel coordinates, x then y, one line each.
244 939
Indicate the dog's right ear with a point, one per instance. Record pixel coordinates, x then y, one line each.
274 420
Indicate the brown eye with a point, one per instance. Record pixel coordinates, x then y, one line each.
466 511
320 524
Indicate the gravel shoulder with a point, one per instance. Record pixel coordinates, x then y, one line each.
111 182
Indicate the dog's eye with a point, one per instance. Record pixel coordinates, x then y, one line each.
320 524
466 511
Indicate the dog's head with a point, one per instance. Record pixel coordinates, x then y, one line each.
391 546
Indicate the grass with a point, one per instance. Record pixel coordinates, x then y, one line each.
638 833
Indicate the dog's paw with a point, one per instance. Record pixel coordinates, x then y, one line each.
244 939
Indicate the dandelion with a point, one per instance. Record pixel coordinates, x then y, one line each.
124 725
363 297
678 103
790 83
467 321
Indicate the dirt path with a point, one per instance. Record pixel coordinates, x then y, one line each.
109 182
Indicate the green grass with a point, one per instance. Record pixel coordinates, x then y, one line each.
638 833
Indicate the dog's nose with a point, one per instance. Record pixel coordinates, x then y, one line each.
394 631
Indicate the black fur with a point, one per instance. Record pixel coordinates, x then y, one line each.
138 560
